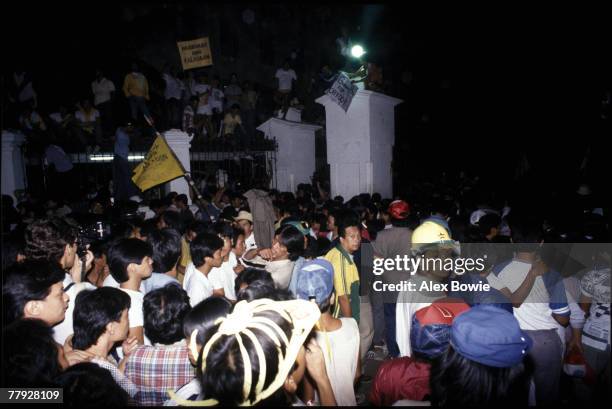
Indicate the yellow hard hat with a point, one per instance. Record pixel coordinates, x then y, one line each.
431 234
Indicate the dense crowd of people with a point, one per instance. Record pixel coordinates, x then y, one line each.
190 101
267 297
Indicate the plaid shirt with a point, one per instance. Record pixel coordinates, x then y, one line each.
156 369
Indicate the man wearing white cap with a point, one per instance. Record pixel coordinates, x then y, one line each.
245 221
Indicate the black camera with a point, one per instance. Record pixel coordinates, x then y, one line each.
90 233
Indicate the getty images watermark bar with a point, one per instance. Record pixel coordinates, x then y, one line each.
31 395
477 268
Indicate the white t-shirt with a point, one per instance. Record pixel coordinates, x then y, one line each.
224 277
135 314
64 329
198 287
109 281
174 87
409 302
216 99
596 285
341 364
249 242
189 270
535 312
285 79
102 90
93 115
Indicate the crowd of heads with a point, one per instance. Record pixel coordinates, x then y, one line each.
227 340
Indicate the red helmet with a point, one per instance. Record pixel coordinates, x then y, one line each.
399 209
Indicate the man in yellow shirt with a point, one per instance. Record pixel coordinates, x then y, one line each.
347 282
136 90
346 275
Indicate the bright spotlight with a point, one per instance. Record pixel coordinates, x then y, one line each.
357 51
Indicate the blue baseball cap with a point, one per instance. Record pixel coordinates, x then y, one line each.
315 279
431 326
491 336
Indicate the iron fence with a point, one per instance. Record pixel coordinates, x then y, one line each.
215 162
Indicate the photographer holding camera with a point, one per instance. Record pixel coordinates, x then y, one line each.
56 240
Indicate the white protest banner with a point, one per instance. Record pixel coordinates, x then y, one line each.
195 53
342 91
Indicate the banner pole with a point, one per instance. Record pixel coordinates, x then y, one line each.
186 175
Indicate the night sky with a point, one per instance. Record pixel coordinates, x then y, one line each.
517 77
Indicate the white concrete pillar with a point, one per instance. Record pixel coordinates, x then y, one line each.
13 176
180 143
360 144
295 159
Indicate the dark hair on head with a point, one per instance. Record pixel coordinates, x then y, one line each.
442 206
312 248
376 226
166 245
122 253
250 275
282 294
88 384
164 311
28 281
203 316
204 245
198 227
182 198
124 229
147 227
306 203
156 203
376 198
228 213
172 220
290 237
223 379
223 229
256 290
99 248
339 199
46 239
346 219
526 232
458 381
320 219
323 246
93 311
29 355
291 209
488 222
236 232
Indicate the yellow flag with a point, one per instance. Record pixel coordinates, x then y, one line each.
159 166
